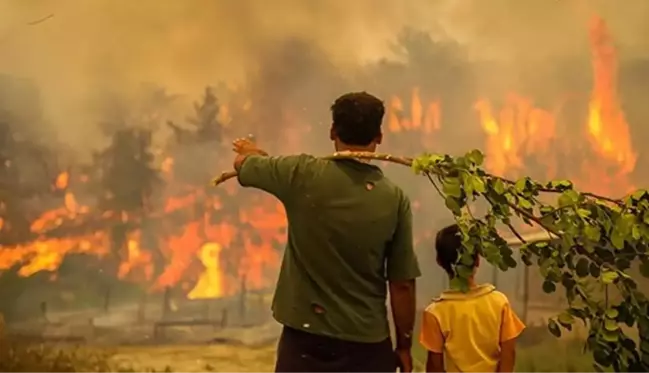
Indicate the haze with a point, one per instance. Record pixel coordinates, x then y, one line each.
89 50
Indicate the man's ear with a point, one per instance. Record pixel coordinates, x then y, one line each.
379 139
332 133
477 261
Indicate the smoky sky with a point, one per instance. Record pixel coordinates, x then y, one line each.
93 49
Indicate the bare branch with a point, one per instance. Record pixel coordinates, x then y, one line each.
40 20
227 175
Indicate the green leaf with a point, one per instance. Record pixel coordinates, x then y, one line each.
602 357
499 186
612 313
464 271
592 233
458 283
610 336
453 205
644 268
594 270
451 187
554 329
622 264
582 268
521 185
560 185
583 213
565 319
467 259
524 203
476 157
509 261
568 198
617 239
478 184
611 325
549 287
608 277
639 194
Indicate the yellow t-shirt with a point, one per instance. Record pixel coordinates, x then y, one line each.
469 327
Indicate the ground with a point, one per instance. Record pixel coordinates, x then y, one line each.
548 355
218 358
538 352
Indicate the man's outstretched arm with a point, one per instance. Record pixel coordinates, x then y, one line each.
275 175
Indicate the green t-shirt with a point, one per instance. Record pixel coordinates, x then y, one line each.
349 232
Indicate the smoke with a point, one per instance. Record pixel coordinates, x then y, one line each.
89 51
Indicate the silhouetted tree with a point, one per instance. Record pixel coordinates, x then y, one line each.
127 180
204 124
206 120
196 148
14 225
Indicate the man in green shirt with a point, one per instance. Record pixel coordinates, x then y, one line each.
349 241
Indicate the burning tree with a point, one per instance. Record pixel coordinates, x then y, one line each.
13 224
127 183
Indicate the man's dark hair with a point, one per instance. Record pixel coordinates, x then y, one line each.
357 118
448 244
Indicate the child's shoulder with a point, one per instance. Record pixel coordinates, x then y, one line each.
499 298
485 292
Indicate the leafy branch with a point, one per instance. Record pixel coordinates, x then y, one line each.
592 240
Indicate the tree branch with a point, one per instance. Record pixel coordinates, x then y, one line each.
227 175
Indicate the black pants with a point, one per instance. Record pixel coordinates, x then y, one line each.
299 351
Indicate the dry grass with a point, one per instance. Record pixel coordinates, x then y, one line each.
22 355
538 352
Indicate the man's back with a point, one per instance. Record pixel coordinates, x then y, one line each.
345 237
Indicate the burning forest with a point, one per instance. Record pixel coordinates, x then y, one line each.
140 217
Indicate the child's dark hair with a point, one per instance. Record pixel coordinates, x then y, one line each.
448 244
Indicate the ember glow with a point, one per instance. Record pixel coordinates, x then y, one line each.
212 250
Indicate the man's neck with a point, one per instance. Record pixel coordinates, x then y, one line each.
350 148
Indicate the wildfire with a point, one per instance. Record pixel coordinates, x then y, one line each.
210 283
520 132
424 120
607 127
214 249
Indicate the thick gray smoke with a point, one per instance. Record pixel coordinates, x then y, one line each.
79 53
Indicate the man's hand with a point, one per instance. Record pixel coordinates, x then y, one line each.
405 359
246 146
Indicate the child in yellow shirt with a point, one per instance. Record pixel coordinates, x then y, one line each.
474 331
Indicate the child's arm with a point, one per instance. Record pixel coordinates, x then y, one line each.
507 356
435 362
510 329
432 339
